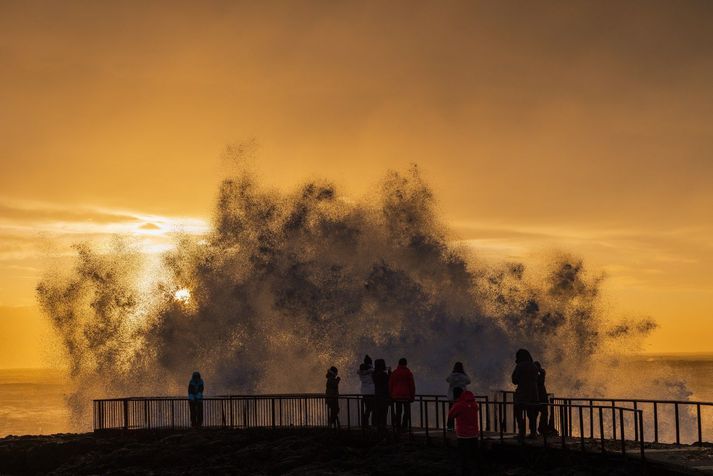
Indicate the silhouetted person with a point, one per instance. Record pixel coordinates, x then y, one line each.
543 425
332 396
465 414
365 374
526 396
195 399
402 390
458 379
380 376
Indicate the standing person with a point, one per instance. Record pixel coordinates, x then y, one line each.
542 409
402 390
526 397
458 379
195 399
365 373
380 378
332 396
465 413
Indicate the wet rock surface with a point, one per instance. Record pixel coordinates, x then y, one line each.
273 452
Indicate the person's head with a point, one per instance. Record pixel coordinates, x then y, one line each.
333 370
196 376
457 391
363 367
537 365
458 368
380 364
522 355
367 360
402 361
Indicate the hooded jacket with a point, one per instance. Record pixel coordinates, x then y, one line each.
465 412
401 384
457 380
525 377
367 381
195 387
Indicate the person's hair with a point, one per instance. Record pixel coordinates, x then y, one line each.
367 360
380 364
457 391
363 367
402 361
523 355
333 370
538 365
458 367
196 375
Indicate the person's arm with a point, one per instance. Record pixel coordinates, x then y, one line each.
515 376
467 379
200 388
453 413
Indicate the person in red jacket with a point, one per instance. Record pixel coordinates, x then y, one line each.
402 390
465 413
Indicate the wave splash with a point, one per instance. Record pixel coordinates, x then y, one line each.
287 284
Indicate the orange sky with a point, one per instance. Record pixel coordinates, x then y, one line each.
541 125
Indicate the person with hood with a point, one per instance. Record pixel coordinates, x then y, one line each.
542 410
526 396
365 373
402 390
465 414
332 396
380 377
195 399
457 379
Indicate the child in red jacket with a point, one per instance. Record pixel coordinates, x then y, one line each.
465 414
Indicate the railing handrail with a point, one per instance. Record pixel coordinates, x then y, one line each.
623 400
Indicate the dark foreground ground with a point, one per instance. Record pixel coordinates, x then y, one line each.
275 452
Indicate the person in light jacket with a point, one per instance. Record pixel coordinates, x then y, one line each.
195 399
365 373
457 379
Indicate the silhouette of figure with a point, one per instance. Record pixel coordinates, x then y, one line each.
457 379
465 413
526 397
402 390
542 410
332 396
195 399
380 377
365 374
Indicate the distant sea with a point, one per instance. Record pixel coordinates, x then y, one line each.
32 401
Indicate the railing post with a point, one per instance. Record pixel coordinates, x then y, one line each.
678 429
487 415
232 420
700 432
642 446
621 424
601 428
636 427
613 420
173 411
272 406
656 422
126 414
591 419
581 427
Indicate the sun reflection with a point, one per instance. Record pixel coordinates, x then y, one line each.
182 295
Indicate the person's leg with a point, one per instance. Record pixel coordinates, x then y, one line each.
396 420
407 416
543 419
532 412
520 417
199 413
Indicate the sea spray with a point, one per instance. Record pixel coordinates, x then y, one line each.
287 284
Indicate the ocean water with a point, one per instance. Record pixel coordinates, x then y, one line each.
32 401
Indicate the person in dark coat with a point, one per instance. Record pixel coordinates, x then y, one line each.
332 396
402 390
543 425
195 399
526 396
380 376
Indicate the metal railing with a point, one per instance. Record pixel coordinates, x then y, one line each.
428 416
668 421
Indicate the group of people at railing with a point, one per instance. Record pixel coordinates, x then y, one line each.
383 389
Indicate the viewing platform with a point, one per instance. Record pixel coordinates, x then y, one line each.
668 434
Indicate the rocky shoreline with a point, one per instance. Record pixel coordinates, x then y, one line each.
271 452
